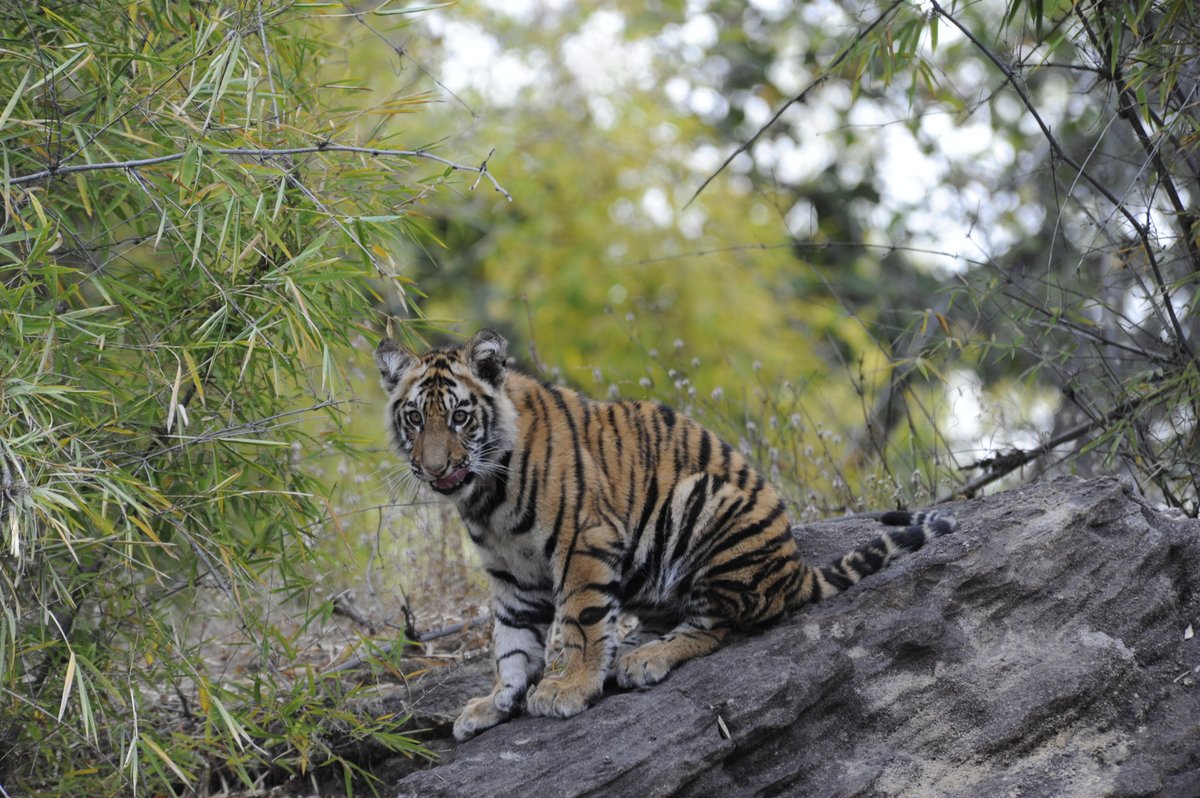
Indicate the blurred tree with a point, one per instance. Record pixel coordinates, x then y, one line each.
1060 141
1039 159
193 231
598 264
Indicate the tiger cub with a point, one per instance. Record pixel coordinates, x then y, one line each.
583 509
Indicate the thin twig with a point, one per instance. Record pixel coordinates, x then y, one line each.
402 52
817 81
887 249
424 637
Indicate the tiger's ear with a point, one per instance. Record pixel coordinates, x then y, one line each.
393 362
487 354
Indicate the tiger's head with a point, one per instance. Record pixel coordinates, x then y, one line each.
447 410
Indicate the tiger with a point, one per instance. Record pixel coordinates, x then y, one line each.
583 509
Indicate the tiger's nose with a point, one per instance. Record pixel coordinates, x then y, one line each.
436 468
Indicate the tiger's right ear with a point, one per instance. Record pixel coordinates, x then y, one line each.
487 354
393 362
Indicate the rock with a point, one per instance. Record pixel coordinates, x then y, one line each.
1038 651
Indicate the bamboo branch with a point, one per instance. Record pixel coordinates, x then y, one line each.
1127 110
1143 233
267 152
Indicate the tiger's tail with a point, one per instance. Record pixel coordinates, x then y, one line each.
919 528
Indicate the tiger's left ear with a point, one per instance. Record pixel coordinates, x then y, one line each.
487 354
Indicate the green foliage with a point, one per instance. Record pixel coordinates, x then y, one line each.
194 226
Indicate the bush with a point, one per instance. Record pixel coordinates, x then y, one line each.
191 239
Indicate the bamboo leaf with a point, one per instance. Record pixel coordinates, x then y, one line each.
387 12
12 101
162 755
68 683
174 404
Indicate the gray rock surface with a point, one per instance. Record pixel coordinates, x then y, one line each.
1038 651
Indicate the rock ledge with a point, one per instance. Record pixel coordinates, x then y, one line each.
1038 651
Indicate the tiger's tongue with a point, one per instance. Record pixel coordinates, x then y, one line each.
451 480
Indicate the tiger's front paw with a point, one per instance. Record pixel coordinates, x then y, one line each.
562 696
487 711
643 666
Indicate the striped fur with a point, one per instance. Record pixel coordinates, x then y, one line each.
583 509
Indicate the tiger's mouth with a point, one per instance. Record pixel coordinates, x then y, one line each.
452 481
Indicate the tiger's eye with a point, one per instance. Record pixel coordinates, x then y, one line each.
460 416
413 417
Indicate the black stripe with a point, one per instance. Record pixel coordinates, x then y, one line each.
753 557
874 556
612 423
747 532
509 578
552 539
529 513
696 503
909 539
643 439
723 520
656 427
502 575
661 527
492 493
836 578
611 588
532 619
705 451
579 481
434 382
593 615
716 530
607 556
634 479
545 418
633 581
647 508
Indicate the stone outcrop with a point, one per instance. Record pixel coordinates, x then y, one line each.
1045 648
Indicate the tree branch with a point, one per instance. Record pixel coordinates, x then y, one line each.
249 152
1002 465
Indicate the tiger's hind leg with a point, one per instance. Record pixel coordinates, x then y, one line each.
649 663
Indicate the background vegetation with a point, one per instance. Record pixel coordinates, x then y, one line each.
895 252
